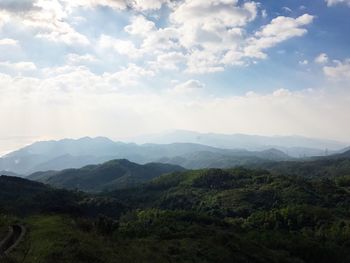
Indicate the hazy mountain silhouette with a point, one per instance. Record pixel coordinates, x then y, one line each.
295 146
69 153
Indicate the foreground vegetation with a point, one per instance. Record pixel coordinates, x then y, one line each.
210 215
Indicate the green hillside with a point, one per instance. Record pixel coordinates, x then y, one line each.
108 176
234 215
327 167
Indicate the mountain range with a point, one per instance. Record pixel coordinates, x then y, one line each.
69 153
190 150
295 146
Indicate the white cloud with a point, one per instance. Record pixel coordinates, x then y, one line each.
188 86
321 58
211 23
144 5
341 71
8 42
18 66
335 2
114 4
287 9
280 29
76 59
168 61
123 47
204 36
204 61
282 93
304 62
45 18
138 5
128 76
4 18
140 26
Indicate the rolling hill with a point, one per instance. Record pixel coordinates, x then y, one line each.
209 215
332 166
111 175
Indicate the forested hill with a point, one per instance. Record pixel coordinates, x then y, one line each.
322 167
21 196
107 176
302 219
190 216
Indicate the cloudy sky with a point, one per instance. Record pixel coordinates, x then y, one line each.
121 68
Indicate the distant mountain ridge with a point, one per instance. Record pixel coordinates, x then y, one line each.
69 153
295 146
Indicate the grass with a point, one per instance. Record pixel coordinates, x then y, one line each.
56 239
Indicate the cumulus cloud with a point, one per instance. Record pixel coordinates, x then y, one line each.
340 71
168 61
188 86
139 5
18 66
114 4
321 58
123 47
145 5
140 26
128 76
280 29
211 34
45 18
206 36
77 59
18 5
208 23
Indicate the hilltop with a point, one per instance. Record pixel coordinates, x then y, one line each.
107 176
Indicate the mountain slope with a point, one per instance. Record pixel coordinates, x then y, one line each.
208 215
225 159
21 196
321 167
290 215
107 176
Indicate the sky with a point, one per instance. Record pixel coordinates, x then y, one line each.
122 68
